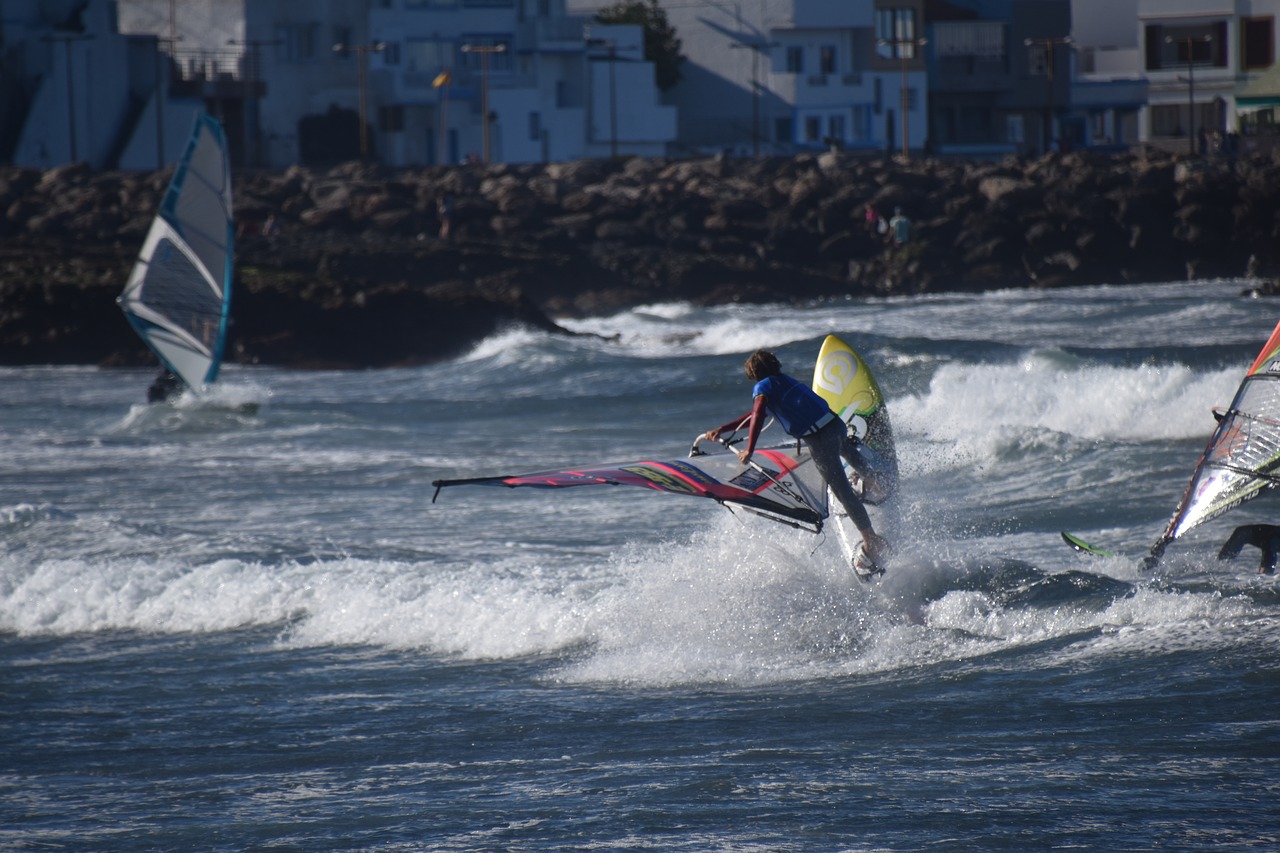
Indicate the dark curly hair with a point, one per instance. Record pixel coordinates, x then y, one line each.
760 364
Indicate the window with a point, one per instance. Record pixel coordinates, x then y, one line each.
783 130
1173 119
391 53
979 39
1166 120
535 125
896 33
1098 127
1013 130
813 129
827 59
861 123
297 42
795 60
1257 42
1038 59
1170 48
391 119
1261 122
835 127
341 35
429 56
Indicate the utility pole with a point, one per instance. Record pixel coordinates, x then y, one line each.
906 49
1189 44
1047 44
362 52
442 81
484 50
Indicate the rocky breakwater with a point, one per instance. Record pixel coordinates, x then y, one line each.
348 268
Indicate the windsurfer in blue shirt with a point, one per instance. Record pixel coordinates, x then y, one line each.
806 416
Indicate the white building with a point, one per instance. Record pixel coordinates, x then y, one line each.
555 86
75 89
117 83
787 75
262 68
1210 67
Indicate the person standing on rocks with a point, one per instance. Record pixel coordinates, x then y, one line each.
444 210
899 228
872 219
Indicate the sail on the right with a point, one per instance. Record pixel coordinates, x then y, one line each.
1242 459
178 295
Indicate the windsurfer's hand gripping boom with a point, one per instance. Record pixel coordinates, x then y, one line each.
696 449
754 420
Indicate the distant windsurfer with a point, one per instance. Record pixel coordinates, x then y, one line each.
165 387
806 416
1264 537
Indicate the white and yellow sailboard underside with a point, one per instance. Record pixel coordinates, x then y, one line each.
842 378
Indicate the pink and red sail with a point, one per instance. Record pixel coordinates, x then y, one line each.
780 483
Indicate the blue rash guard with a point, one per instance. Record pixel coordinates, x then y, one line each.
798 409
806 416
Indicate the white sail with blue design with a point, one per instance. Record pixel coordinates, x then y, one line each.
178 296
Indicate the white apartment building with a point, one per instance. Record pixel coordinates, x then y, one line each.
554 86
405 81
778 76
74 88
261 67
1210 66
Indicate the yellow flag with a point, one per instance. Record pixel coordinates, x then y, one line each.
442 79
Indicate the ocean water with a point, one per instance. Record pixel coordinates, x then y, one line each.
226 631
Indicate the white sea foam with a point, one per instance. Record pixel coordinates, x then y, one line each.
973 409
313 515
734 603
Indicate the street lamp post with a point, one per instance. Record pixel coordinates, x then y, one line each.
1190 41
362 53
253 67
906 50
484 50
1047 44
613 91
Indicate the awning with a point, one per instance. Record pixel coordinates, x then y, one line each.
1256 103
1261 91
